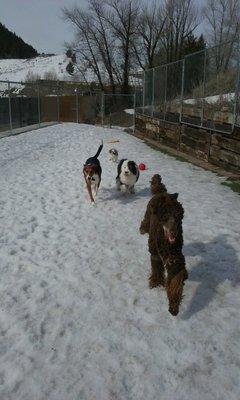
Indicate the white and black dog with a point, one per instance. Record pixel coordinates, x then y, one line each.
128 174
113 155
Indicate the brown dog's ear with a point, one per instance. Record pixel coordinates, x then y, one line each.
159 178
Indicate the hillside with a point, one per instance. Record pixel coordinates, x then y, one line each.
12 46
41 67
19 70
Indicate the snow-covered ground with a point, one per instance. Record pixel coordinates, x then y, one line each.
77 319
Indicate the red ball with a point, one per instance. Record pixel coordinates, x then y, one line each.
142 167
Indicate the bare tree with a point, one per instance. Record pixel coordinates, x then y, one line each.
104 36
181 21
104 39
122 17
85 42
150 27
223 18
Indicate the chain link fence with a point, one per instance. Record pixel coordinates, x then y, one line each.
41 103
201 90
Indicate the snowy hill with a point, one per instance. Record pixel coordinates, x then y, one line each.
17 70
77 319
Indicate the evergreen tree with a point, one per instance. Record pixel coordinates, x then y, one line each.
194 63
193 44
12 46
70 68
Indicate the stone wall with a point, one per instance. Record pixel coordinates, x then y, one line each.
216 148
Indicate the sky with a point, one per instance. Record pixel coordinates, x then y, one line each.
39 22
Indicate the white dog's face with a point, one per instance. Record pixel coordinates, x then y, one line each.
125 168
128 174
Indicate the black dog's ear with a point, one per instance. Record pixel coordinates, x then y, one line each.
174 196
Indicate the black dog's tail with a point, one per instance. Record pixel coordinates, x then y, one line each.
99 150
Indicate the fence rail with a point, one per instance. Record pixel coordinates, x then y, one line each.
203 89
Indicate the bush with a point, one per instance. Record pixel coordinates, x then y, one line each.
50 76
221 83
31 77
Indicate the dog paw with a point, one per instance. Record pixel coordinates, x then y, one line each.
123 189
152 283
92 204
174 311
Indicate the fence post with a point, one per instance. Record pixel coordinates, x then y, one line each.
58 103
165 94
237 91
102 107
144 79
209 145
134 111
77 117
153 78
204 79
39 106
10 108
182 89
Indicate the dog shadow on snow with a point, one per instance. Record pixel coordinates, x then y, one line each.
219 263
113 194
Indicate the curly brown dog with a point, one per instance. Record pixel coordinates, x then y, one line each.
156 184
163 223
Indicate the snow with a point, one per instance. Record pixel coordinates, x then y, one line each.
227 97
17 69
129 111
77 319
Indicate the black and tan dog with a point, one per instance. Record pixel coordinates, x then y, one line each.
92 172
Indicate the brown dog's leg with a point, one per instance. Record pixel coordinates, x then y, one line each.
98 185
175 290
157 276
89 188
